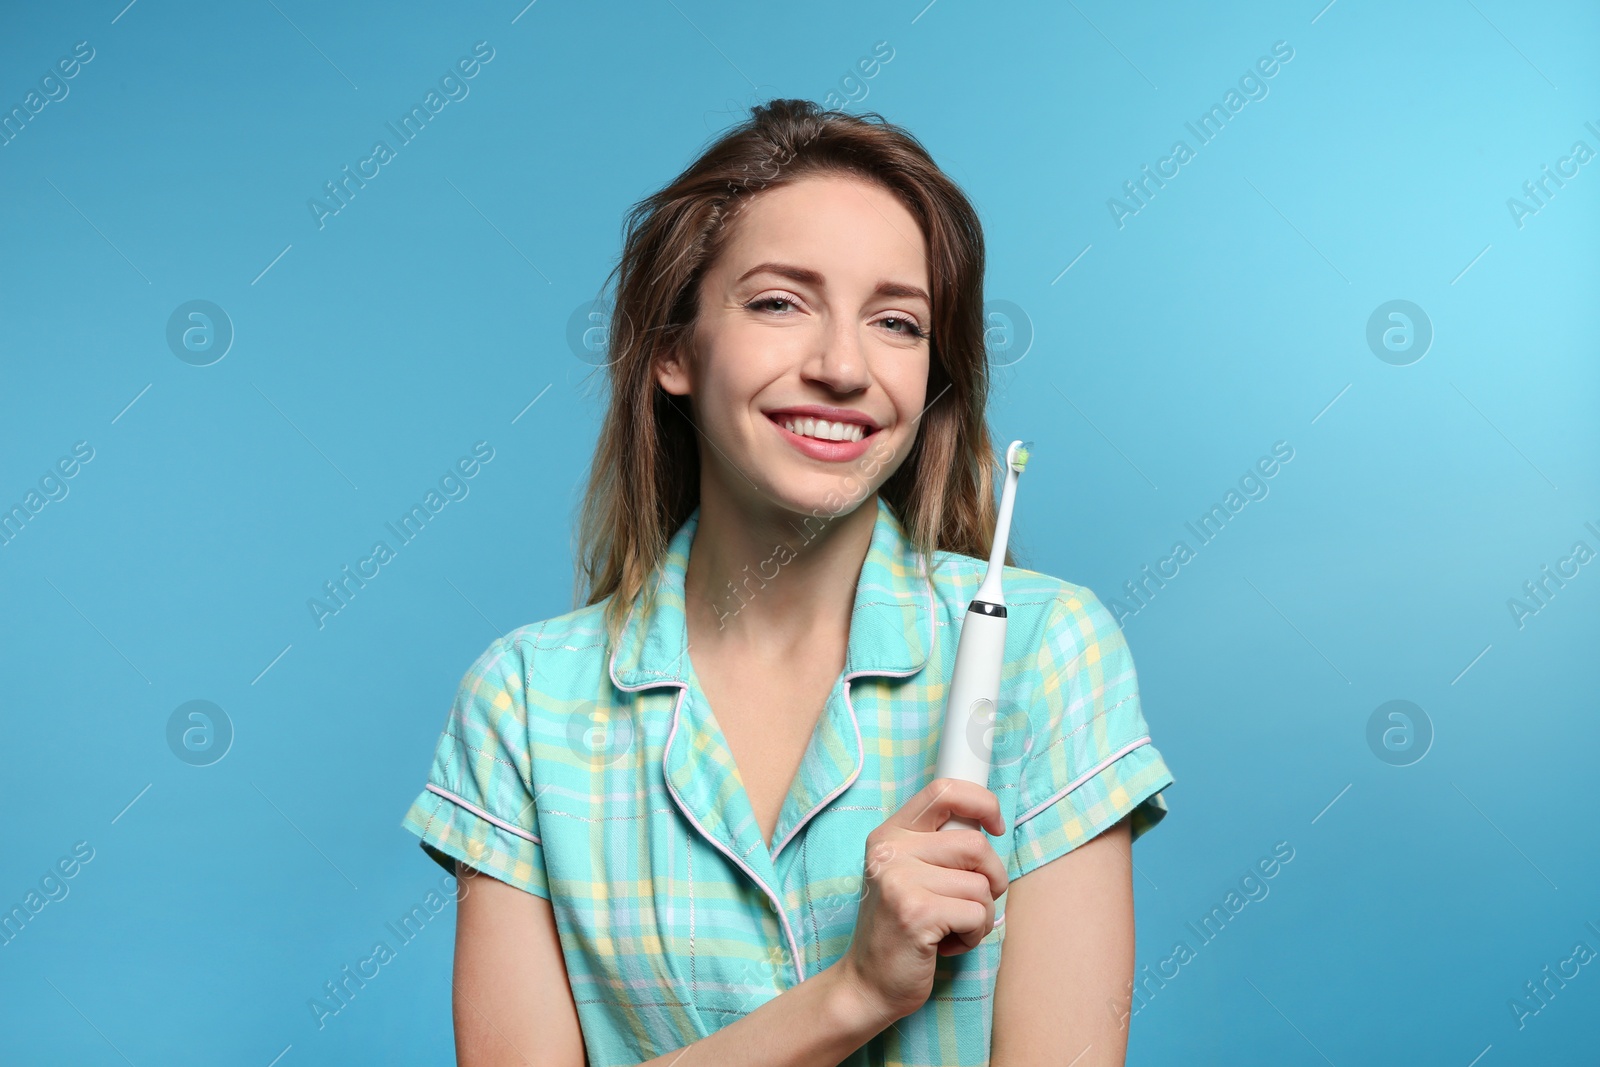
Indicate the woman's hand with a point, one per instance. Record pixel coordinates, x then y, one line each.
926 893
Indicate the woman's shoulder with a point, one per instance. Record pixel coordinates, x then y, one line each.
562 657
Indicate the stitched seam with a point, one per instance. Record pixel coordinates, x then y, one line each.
551 813
1083 726
1081 779
470 747
517 830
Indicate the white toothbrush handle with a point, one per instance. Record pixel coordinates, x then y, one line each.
972 706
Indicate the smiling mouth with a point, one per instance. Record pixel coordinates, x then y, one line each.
822 429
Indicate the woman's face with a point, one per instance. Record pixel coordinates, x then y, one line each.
820 299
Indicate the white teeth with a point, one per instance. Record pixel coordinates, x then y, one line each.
824 430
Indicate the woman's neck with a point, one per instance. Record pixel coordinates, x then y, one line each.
774 582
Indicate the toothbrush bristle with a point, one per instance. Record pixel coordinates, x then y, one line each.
1019 460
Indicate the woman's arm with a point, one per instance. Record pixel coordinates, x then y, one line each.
509 1007
1067 966
511 1012
817 1023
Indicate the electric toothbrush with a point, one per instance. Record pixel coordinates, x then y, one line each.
970 709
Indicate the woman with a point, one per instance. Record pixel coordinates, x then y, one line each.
789 510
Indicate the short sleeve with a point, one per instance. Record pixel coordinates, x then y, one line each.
478 803
1089 759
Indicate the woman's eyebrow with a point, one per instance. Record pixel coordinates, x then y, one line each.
807 276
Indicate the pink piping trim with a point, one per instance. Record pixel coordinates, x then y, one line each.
856 723
666 751
861 759
777 905
683 687
519 831
1076 782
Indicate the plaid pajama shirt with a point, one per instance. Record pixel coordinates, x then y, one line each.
597 777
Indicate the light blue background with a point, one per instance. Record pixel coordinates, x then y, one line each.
1228 314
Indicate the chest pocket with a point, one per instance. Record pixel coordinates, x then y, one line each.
727 988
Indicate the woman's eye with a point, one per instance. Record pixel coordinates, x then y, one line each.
783 306
910 328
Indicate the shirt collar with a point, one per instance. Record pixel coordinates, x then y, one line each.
891 632
891 621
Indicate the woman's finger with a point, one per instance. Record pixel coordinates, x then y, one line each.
941 798
965 850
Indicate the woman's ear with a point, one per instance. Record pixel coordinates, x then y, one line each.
671 372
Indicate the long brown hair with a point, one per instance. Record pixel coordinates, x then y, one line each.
645 476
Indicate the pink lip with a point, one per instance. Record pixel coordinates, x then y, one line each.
828 451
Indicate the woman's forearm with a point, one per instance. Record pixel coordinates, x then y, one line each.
817 1023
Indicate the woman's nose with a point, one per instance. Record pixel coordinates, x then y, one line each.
839 361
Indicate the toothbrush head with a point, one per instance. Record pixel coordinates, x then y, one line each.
1017 455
